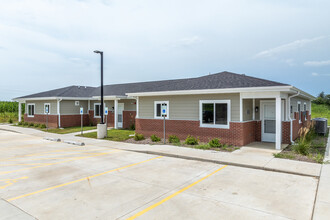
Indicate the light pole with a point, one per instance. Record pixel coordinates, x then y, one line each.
102 109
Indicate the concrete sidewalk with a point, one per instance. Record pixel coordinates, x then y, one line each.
251 157
9 211
322 202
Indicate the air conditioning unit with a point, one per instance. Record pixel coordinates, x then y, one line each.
321 125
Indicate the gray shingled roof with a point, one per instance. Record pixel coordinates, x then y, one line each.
213 81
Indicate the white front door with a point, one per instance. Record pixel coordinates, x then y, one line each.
268 121
120 114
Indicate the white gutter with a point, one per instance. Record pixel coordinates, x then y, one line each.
289 105
59 112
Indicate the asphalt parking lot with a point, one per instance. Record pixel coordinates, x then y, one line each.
53 180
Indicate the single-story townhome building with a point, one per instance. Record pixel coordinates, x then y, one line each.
236 108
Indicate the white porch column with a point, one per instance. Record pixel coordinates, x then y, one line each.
278 139
59 112
137 107
240 108
89 106
19 111
253 109
116 114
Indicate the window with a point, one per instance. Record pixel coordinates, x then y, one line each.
46 108
305 109
299 110
291 109
30 110
76 103
97 110
158 109
214 113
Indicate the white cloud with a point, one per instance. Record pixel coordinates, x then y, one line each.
287 47
189 41
315 74
317 63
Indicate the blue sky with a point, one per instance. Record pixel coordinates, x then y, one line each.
49 44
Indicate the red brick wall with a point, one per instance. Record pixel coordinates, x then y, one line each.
296 126
95 121
258 130
41 119
285 132
128 118
239 134
73 120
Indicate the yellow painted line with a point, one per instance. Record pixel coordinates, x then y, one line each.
173 195
79 180
10 182
49 164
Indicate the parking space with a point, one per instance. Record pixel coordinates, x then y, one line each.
51 180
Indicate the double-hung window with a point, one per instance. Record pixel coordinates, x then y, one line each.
159 105
97 110
299 110
214 113
30 110
305 110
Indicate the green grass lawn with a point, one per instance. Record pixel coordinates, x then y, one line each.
113 135
321 111
69 130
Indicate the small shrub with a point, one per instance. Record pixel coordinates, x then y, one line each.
20 123
25 123
173 139
42 126
36 125
282 155
10 121
91 124
215 143
190 140
154 138
31 124
132 127
138 137
302 147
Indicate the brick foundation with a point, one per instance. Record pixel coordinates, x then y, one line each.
128 118
239 134
41 119
285 132
74 120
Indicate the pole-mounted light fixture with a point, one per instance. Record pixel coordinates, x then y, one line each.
102 107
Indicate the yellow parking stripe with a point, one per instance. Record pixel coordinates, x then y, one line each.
173 195
79 180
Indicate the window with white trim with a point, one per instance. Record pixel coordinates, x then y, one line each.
97 110
30 110
47 107
214 113
158 109
305 110
299 110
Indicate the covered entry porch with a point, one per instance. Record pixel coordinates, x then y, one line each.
270 112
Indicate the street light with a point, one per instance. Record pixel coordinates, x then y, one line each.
102 110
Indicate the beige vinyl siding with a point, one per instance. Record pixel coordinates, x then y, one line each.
247 109
129 104
68 107
39 106
294 103
186 107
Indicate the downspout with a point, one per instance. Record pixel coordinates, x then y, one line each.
298 93
58 112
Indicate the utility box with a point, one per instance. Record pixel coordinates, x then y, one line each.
321 125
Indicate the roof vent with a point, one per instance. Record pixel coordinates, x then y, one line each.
85 87
78 87
243 74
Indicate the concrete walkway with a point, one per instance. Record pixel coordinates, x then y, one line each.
249 156
9 211
322 203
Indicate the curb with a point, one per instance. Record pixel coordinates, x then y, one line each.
221 162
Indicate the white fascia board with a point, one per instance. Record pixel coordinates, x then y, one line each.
51 98
302 93
214 91
111 97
